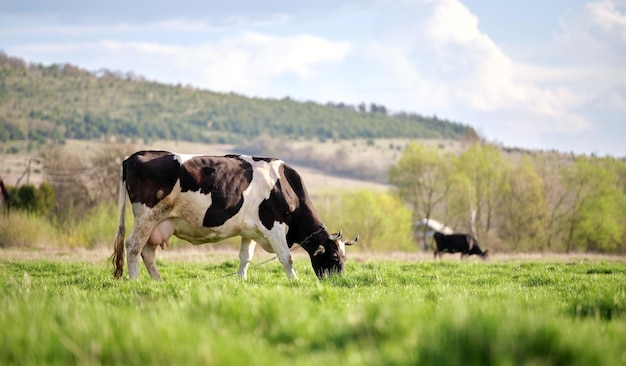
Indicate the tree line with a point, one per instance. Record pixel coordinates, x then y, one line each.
524 202
61 101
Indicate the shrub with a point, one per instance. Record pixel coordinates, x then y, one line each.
39 200
97 228
381 219
23 229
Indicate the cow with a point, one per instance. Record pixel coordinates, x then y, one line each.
465 244
5 198
205 199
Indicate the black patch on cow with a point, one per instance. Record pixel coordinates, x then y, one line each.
289 203
150 176
254 158
225 178
282 202
267 160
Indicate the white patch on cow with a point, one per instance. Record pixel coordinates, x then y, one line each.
277 239
265 175
342 247
184 157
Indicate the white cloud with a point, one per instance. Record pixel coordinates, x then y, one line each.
250 61
594 36
592 42
246 62
604 15
464 72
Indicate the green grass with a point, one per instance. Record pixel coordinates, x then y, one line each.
380 312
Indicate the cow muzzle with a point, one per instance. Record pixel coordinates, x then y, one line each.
327 272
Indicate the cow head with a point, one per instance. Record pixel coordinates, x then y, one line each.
330 255
475 249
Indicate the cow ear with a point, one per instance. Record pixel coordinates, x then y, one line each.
319 251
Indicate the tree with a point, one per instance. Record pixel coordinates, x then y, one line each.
523 209
105 180
596 202
549 168
70 177
422 179
484 169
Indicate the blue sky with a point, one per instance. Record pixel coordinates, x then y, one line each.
531 74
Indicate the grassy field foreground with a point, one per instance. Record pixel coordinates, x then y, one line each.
382 311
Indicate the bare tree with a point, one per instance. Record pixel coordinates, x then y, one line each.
554 196
69 176
107 163
484 169
82 182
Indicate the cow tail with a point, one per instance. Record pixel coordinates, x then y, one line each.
118 248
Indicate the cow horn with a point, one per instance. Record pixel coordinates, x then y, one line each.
351 242
335 237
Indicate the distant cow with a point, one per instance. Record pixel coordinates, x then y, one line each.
457 243
202 199
4 195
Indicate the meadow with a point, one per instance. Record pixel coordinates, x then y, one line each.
64 308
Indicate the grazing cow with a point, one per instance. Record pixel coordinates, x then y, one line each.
204 199
4 194
458 243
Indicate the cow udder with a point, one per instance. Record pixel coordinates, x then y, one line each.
161 234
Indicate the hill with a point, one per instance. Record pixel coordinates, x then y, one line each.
61 101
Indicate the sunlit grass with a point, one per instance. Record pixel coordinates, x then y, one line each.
379 312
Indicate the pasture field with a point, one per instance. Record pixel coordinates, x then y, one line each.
67 309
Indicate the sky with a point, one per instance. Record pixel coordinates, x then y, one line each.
531 74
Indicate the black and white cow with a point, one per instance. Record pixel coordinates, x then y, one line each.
202 199
465 244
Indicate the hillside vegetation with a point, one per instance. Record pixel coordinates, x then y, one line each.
57 102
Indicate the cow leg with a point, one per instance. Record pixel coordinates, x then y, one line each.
148 253
132 252
278 240
284 256
246 252
134 244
